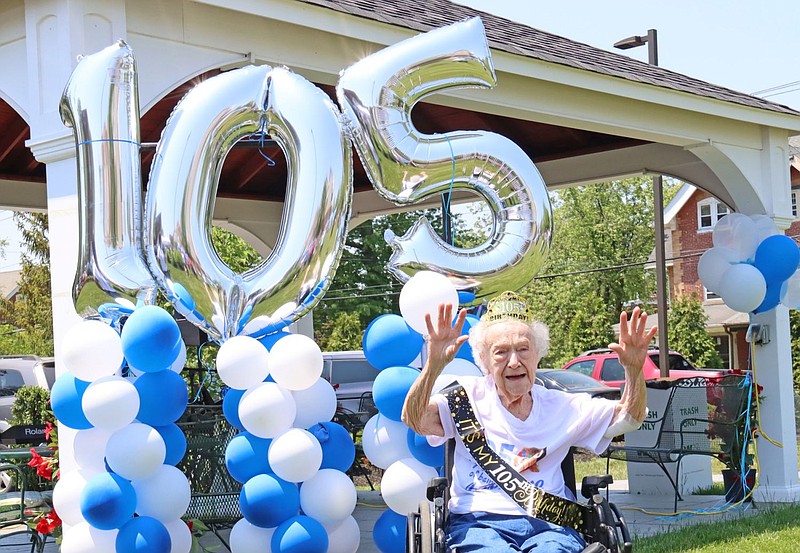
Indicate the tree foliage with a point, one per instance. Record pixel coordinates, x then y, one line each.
28 321
686 321
603 234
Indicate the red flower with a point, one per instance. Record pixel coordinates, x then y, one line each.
36 459
48 427
48 523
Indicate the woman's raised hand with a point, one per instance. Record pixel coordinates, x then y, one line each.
444 338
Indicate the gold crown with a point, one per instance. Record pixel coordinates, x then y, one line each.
507 305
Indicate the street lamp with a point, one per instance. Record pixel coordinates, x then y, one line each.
651 39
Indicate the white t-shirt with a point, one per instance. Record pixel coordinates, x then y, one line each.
557 421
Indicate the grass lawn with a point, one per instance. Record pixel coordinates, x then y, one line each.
775 530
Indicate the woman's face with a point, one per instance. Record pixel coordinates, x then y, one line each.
510 358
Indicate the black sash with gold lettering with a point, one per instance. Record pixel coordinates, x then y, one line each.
533 500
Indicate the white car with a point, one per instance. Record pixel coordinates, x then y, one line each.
17 371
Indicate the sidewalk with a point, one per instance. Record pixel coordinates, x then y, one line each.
370 506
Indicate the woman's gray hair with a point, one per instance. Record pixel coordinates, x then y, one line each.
538 332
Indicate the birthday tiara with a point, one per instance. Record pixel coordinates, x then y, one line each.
507 305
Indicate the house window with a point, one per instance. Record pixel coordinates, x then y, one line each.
794 203
709 295
709 212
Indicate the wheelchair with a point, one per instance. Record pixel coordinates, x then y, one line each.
426 528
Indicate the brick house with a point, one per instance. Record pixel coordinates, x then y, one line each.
688 221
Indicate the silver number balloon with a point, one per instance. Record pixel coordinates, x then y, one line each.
405 166
101 104
207 122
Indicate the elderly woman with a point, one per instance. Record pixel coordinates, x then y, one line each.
528 427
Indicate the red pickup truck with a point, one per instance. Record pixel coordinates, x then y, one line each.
603 365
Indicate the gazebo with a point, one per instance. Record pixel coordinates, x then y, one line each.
582 114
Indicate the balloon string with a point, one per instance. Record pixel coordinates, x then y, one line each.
110 140
270 161
452 180
206 377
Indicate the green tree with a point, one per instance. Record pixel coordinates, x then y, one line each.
234 250
687 332
32 311
603 234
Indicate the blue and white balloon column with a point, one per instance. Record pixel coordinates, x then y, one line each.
391 344
752 266
290 458
124 493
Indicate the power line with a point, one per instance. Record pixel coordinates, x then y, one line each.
773 88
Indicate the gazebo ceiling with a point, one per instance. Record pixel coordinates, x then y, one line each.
247 174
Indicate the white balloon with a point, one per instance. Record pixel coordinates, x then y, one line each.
461 367
267 410
242 362
67 496
92 350
790 291
180 535
737 232
384 441
765 227
249 538
296 362
89 448
164 496
343 537
713 264
111 403
83 538
405 483
295 455
136 451
422 294
743 287
314 404
329 496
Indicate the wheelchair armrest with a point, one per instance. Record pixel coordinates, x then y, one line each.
436 488
591 485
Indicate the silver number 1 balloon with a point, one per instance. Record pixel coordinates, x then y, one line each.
101 104
405 166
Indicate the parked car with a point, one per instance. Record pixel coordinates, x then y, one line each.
351 376
17 371
603 365
574 382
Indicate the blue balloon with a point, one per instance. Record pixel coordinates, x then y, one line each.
108 501
338 449
300 534
389 532
184 296
771 299
390 389
266 500
269 340
424 452
143 535
151 339
465 297
175 440
66 398
163 397
230 407
246 456
388 341
465 352
777 257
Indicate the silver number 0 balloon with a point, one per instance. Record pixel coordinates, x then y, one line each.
377 94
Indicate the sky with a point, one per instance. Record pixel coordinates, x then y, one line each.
746 45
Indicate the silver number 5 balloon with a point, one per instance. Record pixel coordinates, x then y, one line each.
405 166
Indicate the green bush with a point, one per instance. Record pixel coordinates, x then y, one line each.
32 406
